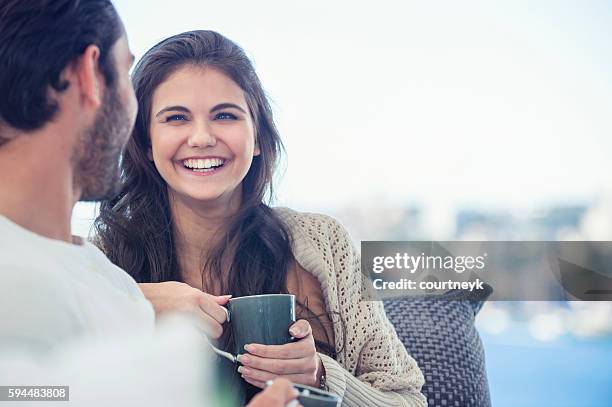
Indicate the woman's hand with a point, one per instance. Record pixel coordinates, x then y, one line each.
173 296
296 361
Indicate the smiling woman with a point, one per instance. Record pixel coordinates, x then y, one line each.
191 225
207 135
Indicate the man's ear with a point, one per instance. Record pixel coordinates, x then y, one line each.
89 77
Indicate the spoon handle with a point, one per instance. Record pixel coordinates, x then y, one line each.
224 354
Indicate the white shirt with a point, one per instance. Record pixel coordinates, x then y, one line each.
168 368
53 292
69 317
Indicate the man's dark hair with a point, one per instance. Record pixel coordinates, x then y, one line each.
38 39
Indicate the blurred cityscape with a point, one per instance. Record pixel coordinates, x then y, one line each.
537 353
545 321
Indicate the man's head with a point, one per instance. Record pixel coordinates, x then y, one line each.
68 60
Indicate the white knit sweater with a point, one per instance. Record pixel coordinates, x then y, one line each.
372 366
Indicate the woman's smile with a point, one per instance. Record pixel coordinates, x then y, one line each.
202 166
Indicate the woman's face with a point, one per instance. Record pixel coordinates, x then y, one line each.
202 135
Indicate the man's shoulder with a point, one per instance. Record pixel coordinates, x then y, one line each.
32 282
113 273
25 250
47 263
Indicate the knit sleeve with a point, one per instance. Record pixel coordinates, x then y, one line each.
380 371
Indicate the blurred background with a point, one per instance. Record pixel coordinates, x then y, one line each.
446 120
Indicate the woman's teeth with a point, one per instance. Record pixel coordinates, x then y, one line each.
203 164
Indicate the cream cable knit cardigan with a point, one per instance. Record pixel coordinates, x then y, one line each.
374 368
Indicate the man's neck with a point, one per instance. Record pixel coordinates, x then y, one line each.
36 184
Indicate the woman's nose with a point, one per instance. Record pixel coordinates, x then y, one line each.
202 136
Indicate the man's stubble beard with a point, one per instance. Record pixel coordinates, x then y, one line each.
97 157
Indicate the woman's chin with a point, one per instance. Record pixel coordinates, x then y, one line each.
208 198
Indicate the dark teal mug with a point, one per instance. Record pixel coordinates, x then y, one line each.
263 319
311 397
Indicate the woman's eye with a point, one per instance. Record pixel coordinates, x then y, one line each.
176 117
225 116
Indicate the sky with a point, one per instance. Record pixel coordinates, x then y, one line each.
471 103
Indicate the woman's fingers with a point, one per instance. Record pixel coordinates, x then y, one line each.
293 350
297 361
300 329
261 385
260 376
212 328
222 299
174 296
280 366
210 305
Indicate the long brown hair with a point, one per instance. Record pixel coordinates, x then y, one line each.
135 227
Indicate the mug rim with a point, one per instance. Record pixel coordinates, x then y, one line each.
317 394
261 295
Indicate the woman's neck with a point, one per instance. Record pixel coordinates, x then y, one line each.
198 227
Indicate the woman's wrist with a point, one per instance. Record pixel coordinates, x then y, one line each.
321 378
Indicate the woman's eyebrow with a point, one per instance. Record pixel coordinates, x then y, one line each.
222 106
174 109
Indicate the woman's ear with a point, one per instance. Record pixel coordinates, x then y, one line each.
150 153
256 151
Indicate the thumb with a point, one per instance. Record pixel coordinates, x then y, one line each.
222 299
300 329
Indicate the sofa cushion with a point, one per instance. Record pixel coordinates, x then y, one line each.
439 333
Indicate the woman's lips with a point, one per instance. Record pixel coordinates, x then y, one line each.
202 172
